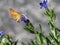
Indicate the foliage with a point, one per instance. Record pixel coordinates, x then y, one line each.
53 38
7 40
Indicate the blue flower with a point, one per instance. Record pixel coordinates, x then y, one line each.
44 4
1 33
23 19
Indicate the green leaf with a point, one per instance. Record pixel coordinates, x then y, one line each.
53 29
40 29
39 38
29 28
59 37
56 40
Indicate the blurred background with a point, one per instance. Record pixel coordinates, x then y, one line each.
31 9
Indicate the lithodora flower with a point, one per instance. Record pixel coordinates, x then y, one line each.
44 4
24 19
1 33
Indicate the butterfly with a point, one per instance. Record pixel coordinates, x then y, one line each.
15 14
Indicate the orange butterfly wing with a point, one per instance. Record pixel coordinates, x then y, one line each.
14 14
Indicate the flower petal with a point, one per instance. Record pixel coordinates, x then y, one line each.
1 32
44 4
24 18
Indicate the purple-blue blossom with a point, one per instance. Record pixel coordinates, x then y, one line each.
1 33
44 4
24 18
